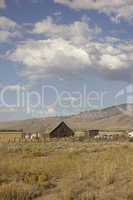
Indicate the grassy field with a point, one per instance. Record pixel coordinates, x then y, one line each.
6 136
66 170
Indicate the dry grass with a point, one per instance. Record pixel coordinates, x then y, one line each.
18 191
6 136
66 170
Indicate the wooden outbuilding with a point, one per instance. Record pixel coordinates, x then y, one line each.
93 133
62 130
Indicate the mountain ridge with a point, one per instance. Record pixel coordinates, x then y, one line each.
113 117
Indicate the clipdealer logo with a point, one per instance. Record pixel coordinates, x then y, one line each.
29 100
127 94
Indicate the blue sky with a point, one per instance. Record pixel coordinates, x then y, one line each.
80 51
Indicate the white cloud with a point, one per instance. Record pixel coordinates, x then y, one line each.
59 57
7 24
7 36
14 88
107 56
9 29
4 36
2 4
69 99
71 50
112 62
78 32
47 57
58 13
51 110
119 8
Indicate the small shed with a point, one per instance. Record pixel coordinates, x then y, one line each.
62 130
93 133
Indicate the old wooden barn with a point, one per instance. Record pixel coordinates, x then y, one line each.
62 130
92 133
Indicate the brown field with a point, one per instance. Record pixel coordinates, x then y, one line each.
6 136
66 170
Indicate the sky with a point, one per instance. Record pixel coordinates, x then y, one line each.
62 57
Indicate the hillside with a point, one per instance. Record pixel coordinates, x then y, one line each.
108 118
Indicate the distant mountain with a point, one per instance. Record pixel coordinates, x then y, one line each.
108 118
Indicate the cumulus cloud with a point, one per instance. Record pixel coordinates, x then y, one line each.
9 29
7 24
2 4
72 50
78 32
59 57
50 57
121 9
4 36
7 36
14 87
